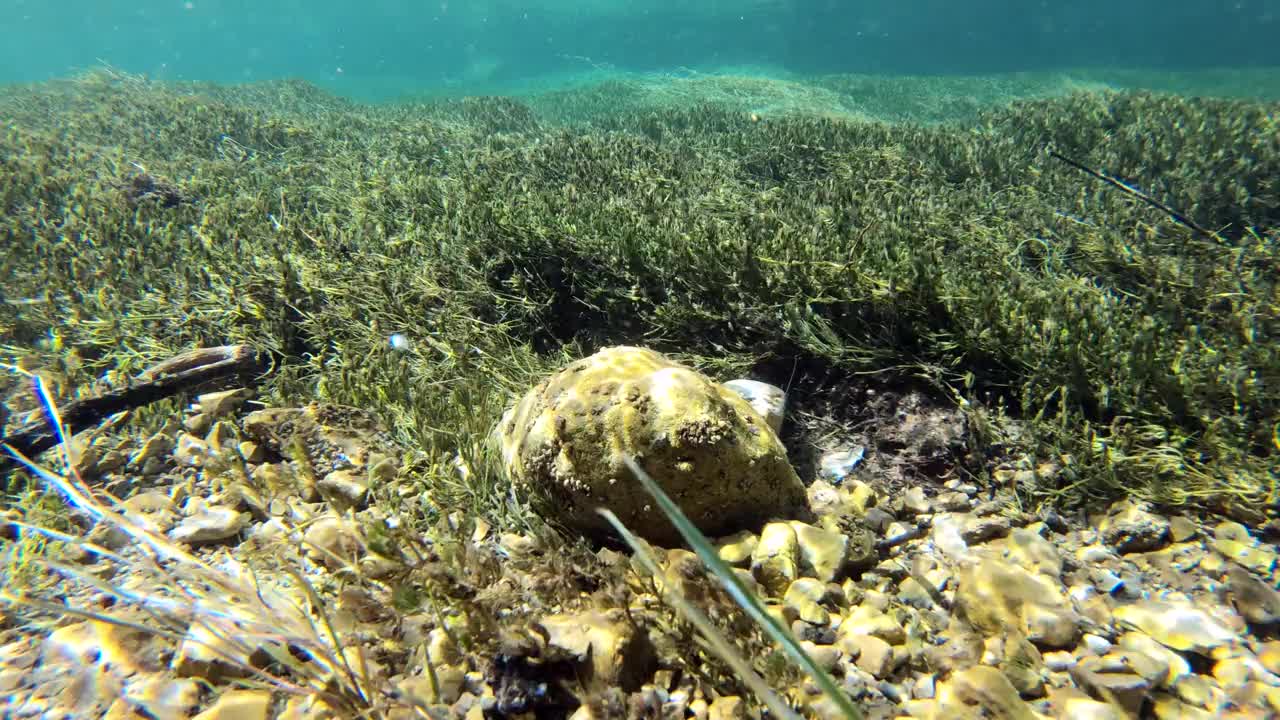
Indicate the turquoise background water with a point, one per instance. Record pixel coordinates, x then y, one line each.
377 48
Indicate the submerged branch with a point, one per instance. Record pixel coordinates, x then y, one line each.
182 372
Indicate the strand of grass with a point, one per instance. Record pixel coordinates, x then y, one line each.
709 632
741 595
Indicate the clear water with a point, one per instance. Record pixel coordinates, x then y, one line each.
386 48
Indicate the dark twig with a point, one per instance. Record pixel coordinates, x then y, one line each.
182 372
1135 192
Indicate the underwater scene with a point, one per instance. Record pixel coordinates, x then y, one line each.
728 359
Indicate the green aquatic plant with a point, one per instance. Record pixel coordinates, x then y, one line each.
499 238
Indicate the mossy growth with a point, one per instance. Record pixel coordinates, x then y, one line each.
501 242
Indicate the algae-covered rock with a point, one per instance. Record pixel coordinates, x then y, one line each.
704 444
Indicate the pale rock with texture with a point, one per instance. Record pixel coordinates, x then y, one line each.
702 443
349 487
736 549
985 690
1269 656
238 705
1233 541
225 402
775 561
1178 626
871 654
1073 704
1256 601
869 621
727 707
1033 552
210 524
444 689
1162 666
804 596
1131 527
915 502
333 541
996 596
824 554
1023 665
608 650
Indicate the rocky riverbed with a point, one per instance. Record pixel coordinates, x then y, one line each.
933 600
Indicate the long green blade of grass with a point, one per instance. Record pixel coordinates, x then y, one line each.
748 601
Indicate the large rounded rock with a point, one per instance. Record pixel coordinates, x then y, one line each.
704 444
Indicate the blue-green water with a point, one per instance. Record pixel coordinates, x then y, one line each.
385 48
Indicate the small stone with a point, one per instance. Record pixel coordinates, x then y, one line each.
1097 645
871 654
978 530
1022 664
1269 656
211 524
1233 673
251 451
1176 625
803 596
1176 666
1106 581
1256 601
445 688
878 519
912 593
727 707
996 596
952 502
1196 691
826 499
350 487
823 554
988 689
1072 704
1094 554
1128 689
238 705
197 424
218 404
826 656
897 532
606 648
925 687
1130 527
1034 553
1167 707
1182 528
333 542
190 450
1233 541
867 620
775 561
915 502
861 497
1059 660
154 448
222 438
